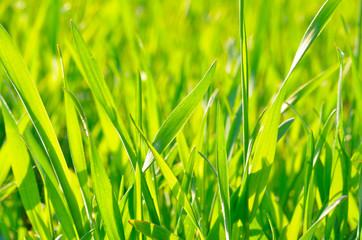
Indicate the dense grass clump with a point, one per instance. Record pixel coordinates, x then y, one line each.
123 125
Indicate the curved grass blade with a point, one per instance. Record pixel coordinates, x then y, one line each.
23 83
5 163
100 90
4 151
357 85
296 222
234 132
309 192
52 187
138 182
266 145
209 163
153 231
186 182
309 86
308 234
271 227
179 116
315 28
254 135
172 182
6 190
283 127
322 138
340 173
106 200
359 227
222 173
75 143
244 78
24 174
88 235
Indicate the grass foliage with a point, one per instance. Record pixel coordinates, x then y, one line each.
124 125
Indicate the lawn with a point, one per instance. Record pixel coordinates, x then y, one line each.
134 119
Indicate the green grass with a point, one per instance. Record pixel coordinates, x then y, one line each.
180 119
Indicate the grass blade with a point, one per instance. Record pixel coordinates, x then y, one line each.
52 187
296 222
308 87
75 143
4 151
283 127
308 235
153 231
104 195
340 165
138 182
322 138
359 227
106 200
100 90
222 172
172 182
23 83
266 145
233 132
6 190
24 174
315 28
186 182
179 116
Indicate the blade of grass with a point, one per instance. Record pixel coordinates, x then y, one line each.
309 189
244 77
138 182
222 173
106 200
98 86
266 145
322 138
340 173
293 228
6 190
233 132
359 227
254 135
179 116
308 235
245 96
186 182
172 181
153 231
100 90
308 87
23 83
283 127
357 85
24 174
4 151
76 144
52 187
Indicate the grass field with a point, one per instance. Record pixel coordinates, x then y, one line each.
181 119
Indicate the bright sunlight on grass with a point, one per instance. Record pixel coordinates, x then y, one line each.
181 119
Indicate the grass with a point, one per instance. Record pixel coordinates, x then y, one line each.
135 131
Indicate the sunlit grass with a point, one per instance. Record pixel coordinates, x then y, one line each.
135 131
